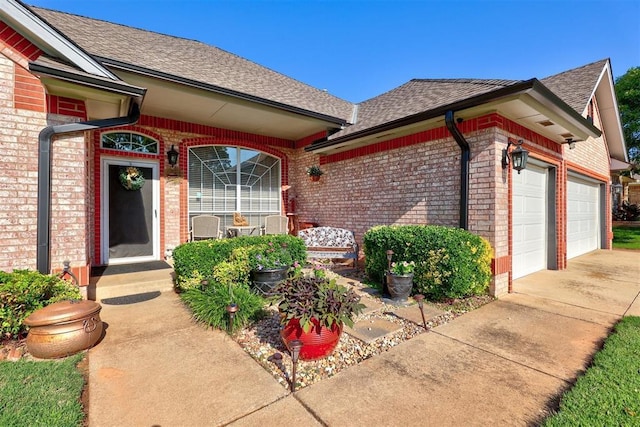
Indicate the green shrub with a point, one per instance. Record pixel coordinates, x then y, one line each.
197 259
229 283
23 291
450 262
209 304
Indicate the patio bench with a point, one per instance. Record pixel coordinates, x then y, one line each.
330 243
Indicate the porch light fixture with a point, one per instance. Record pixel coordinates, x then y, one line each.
172 156
571 142
519 156
616 188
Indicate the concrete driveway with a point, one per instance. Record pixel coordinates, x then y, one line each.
503 364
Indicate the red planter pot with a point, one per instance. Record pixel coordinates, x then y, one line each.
319 342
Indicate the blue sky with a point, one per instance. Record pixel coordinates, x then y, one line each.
360 49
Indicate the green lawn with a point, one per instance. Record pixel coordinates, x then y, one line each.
44 393
626 237
609 392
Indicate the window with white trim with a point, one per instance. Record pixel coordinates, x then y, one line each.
224 180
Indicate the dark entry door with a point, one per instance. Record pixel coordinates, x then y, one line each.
131 217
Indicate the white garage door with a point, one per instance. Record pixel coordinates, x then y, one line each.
529 221
583 217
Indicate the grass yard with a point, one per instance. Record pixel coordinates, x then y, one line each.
626 237
43 393
609 392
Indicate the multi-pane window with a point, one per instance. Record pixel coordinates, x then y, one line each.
129 141
224 180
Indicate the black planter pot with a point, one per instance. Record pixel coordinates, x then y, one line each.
265 280
399 286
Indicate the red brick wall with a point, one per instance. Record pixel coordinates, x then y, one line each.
413 184
18 175
23 102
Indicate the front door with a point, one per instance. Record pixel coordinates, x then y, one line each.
129 215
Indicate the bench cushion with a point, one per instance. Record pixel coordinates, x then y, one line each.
328 237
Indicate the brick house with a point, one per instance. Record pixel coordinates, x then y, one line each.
82 100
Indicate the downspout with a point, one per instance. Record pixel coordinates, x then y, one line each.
464 168
43 254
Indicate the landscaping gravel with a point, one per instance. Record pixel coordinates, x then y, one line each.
263 342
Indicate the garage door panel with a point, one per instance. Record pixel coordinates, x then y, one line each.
529 229
583 217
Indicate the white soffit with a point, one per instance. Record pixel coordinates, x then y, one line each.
184 103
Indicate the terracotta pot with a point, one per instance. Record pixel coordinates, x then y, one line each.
315 178
63 328
319 342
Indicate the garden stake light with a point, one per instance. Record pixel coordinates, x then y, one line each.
231 309
420 298
296 345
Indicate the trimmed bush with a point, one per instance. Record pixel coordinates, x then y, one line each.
450 262
194 260
22 292
229 283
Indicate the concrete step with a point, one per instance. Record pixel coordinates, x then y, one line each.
119 285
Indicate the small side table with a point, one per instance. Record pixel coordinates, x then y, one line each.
236 230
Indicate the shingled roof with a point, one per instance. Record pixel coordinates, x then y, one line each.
192 60
576 86
417 96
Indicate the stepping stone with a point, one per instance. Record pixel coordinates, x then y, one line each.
371 304
370 330
412 313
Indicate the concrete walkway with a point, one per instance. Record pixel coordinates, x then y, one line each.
502 364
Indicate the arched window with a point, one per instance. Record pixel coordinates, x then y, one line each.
224 180
129 141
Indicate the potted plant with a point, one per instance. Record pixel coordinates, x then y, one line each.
314 172
400 280
269 265
314 310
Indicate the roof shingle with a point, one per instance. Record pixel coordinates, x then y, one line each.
417 96
575 86
192 60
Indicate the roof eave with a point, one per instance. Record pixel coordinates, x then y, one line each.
220 90
532 87
113 86
21 17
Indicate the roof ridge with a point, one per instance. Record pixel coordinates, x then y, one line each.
495 82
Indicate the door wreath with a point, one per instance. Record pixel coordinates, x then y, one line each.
131 178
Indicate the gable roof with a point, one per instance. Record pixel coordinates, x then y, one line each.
417 96
118 45
579 85
576 86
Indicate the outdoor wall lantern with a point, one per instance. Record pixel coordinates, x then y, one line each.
172 156
616 188
519 156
